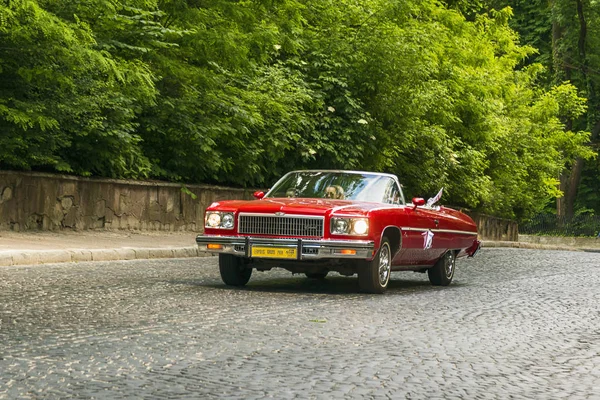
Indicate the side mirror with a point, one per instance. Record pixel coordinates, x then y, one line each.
418 201
259 194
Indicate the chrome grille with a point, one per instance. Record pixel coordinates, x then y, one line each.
286 225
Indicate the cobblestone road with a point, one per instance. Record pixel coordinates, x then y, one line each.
518 323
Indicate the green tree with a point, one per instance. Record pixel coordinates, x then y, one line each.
239 92
66 105
566 35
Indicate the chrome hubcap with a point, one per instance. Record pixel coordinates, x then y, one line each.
384 264
449 265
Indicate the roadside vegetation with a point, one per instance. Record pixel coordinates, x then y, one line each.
498 105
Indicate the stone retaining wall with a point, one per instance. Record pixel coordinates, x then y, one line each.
39 201
492 228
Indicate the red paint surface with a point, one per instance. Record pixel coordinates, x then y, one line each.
381 217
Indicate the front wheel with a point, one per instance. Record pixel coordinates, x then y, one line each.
442 272
375 275
233 271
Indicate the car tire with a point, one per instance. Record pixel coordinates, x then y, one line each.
316 275
442 272
233 271
375 275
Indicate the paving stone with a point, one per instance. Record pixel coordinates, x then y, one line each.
160 253
142 253
104 254
184 252
26 258
516 323
55 256
80 255
6 259
126 254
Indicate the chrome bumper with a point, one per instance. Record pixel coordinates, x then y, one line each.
306 249
474 249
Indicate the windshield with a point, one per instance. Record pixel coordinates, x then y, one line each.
338 185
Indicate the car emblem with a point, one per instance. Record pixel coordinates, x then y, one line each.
280 214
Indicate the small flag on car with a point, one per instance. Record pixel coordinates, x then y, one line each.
435 199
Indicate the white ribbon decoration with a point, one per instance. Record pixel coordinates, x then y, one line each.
427 240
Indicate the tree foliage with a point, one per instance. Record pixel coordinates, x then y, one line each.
566 35
239 92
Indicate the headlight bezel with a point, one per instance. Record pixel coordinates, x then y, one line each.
337 223
221 217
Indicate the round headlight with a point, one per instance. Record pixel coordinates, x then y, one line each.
213 220
341 226
360 227
227 221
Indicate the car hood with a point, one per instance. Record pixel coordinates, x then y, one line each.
297 206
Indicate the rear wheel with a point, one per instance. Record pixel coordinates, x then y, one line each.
233 270
375 275
316 275
442 272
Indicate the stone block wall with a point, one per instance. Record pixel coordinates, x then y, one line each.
492 228
39 201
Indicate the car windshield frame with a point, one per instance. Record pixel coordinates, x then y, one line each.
341 185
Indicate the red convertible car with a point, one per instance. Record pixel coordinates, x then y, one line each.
350 222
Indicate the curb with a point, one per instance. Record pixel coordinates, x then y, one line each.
29 257
527 245
32 257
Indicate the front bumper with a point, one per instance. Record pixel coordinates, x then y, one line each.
306 249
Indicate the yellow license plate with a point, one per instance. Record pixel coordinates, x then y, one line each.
274 252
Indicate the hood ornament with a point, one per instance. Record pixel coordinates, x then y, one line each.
280 213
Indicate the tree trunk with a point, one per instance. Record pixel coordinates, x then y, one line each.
571 195
557 64
595 131
562 203
570 184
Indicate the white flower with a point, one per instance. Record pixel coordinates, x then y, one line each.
277 46
330 109
362 121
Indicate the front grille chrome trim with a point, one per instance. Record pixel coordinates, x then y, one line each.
294 225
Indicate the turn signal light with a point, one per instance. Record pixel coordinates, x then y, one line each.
214 246
348 252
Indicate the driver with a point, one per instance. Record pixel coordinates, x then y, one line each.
334 192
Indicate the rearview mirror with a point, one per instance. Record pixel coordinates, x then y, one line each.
259 194
418 201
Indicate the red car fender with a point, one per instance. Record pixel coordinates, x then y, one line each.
474 249
377 239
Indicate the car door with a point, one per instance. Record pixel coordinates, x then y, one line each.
417 227
434 243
